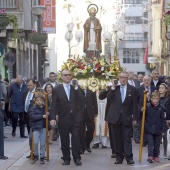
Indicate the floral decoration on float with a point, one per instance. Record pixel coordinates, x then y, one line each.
92 73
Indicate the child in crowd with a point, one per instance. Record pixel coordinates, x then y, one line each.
38 116
155 126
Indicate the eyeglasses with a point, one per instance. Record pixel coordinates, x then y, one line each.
66 75
123 77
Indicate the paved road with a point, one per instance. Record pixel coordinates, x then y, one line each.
17 149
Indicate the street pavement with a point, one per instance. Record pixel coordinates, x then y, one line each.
17 149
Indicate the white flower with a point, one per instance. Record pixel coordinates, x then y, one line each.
107 77
85 67
102 69
95 69
103 73
91 70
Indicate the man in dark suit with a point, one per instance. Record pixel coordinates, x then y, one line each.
90 111
102 96
140 91
155 79
27 99
122 113
66 108
132 81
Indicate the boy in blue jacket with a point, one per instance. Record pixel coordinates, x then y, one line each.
38 116
155 126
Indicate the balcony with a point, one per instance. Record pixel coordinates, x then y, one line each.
8 4
135 43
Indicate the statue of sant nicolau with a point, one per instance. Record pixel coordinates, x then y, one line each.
92 33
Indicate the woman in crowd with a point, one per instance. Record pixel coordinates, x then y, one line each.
48 89
165 102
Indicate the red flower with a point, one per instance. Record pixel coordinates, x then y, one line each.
108 68
98 66
82 67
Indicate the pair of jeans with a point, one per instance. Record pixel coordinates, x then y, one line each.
39 136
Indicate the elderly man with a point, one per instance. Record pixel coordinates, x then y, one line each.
146 86
16 92
122 113
132 81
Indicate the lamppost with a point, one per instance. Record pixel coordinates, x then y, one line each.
117 36
38 11
69 37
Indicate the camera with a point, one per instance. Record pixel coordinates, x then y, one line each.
74 82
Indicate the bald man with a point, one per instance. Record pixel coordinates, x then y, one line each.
16 92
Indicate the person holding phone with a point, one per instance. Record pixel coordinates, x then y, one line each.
66 109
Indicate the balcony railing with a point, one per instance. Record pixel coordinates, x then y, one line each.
8 3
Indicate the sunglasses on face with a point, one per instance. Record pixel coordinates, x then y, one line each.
66 75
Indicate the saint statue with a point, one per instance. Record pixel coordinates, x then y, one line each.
92 33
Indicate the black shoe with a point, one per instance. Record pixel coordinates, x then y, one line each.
118 162
88 149
95 146
23 136
104 147
5 137
13 134
78 162
42 161
130 162
29 156
113 155
66 162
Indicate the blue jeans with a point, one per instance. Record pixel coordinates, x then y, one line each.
39 135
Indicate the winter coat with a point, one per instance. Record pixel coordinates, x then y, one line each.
16 97
36 115
155 120
165 102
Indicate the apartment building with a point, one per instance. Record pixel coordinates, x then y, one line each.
26 54
136 36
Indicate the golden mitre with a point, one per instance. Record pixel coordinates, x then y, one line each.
92 10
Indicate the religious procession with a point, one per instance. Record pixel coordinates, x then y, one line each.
104 103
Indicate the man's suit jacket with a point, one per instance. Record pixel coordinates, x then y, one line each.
140 94
127 109
91 103
102 96
158 84
136 82
64 108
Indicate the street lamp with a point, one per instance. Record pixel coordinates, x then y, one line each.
117 35
38 11
69 37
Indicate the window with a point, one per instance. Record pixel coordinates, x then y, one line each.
8 3
131 55
133 1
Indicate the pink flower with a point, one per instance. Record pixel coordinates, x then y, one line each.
2 11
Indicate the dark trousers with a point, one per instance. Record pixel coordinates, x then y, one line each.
86 132
15 116
153 145
64 130
121 135
27 121
111 138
